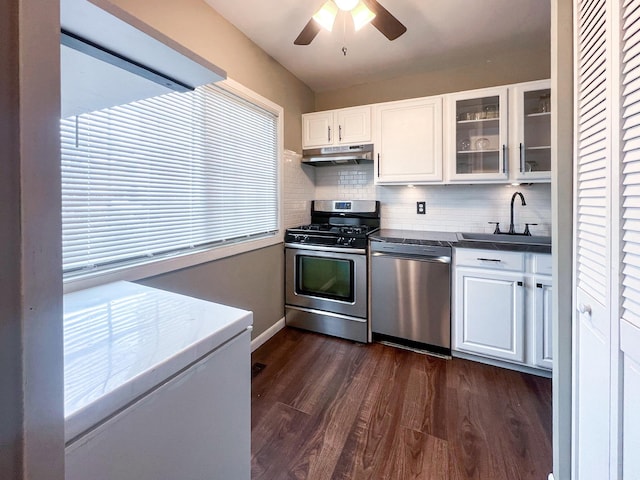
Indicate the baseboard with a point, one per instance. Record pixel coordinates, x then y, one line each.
500 363
267 334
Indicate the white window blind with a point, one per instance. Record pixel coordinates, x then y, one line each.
166 175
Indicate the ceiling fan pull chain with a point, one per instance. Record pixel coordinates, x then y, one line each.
344 35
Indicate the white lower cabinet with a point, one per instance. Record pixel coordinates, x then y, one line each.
490 313
542 316
502 306
196 425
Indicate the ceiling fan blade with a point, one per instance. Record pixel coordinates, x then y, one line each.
308 33
388 25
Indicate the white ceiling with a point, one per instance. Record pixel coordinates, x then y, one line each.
440 32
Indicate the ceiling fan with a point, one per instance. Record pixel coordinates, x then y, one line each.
362 12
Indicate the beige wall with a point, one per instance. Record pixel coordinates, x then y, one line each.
201 29
255 280
252 281
504 68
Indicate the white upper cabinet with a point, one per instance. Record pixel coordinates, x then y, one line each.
530 128
477 142
336 127
491 135
408 141
497 135
317 129
354 125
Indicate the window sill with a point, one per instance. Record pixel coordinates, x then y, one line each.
166 265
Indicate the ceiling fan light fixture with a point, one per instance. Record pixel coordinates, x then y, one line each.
362 12
326 16
361 15
347 5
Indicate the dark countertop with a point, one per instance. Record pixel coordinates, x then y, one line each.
416 237
451 239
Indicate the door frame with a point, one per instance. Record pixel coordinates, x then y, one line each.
562 229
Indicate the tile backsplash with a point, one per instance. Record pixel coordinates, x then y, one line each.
299 190
449 207
466 208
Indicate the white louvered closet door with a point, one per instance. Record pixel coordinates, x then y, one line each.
630 268
592 321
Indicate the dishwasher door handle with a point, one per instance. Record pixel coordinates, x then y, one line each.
416 257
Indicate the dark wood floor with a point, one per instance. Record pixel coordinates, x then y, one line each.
325 408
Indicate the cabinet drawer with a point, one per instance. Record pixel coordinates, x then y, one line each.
471 257
542 264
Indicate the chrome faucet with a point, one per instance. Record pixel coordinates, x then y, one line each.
512 230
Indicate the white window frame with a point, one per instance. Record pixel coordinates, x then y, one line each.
159 266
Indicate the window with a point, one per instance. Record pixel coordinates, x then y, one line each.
160 177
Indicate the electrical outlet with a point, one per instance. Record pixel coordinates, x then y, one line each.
421 208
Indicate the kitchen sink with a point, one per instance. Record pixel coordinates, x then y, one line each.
505 238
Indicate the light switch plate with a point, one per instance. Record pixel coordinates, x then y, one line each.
421 208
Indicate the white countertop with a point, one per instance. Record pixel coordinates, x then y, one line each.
122 339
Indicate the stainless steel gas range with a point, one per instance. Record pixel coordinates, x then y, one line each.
326 270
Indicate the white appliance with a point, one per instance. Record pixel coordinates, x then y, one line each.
157 386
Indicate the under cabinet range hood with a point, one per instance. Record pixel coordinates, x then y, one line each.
340 155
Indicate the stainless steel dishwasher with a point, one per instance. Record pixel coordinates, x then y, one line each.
411 295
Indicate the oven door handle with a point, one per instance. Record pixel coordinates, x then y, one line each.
320 248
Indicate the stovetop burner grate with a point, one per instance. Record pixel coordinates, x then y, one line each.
315 227
334 229
337 223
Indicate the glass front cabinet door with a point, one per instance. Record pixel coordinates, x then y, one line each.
479 138
531 120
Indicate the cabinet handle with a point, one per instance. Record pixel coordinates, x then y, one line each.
489 260
340 133
520 284
504 159
522 152
378 165
539 285
328 134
